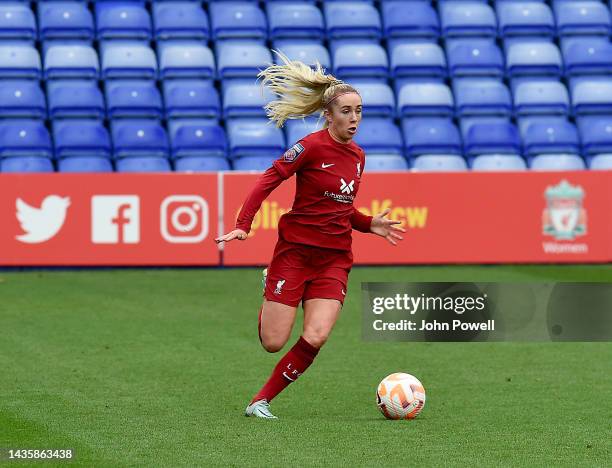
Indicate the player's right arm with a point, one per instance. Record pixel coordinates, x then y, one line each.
283 168
268 181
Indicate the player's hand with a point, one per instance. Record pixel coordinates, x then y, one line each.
235 234
386 228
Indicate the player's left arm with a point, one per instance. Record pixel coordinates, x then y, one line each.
379 224
387 228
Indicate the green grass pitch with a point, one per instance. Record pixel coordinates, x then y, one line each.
155 367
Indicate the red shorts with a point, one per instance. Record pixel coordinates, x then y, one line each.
300 272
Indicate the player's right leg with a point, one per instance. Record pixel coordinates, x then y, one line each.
276 322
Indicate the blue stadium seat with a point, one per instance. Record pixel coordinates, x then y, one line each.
306 52
533 59
379 135
122 20
17 22
529 18
134 138
71 61
557 162
588 57
550 137
26 164
481 96
432 135
422 22
298 128
75 98
475 57
64 20
191 98
133 99
22 98
596 134
253 163
254 137
76 138
418 59
143 164
180 20
208 164
85 164
360 61
386 163
19 61
186 61
592 97
492 138
237 59
433 99
197 139
377 98
461 19
237 20
541 97
582 18
601 162
352 19
498 162
24 138
245 100
439 163
120 60
295 20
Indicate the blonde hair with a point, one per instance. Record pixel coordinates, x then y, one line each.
301 90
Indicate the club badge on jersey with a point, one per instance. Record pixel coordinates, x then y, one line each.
293 153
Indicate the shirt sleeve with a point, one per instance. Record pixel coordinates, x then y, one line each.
264 186
292 160
360 222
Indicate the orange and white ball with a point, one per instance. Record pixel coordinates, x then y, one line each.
400 396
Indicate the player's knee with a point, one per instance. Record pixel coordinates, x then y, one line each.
316 338
272 345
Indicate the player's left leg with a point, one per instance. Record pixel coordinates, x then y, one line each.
320 316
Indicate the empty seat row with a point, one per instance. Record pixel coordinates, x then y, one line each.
117 60
254 137
221 20
425 163
238 59
200 99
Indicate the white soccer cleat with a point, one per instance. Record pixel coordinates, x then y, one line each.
259 409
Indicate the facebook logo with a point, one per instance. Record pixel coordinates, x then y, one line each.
115 219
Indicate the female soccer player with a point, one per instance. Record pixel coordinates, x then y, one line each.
312 257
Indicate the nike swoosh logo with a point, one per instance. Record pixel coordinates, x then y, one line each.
325 166
343 293
287 377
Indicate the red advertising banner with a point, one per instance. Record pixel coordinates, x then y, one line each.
172 219
529 217
108 219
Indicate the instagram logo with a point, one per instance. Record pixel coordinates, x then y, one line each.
184 219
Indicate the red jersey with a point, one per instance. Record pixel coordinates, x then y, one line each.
328 175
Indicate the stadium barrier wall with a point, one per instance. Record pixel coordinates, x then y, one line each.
172 219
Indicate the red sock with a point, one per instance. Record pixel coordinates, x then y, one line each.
289 368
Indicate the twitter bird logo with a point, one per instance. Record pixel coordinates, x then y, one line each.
41 224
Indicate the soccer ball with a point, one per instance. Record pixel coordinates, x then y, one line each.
400 396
